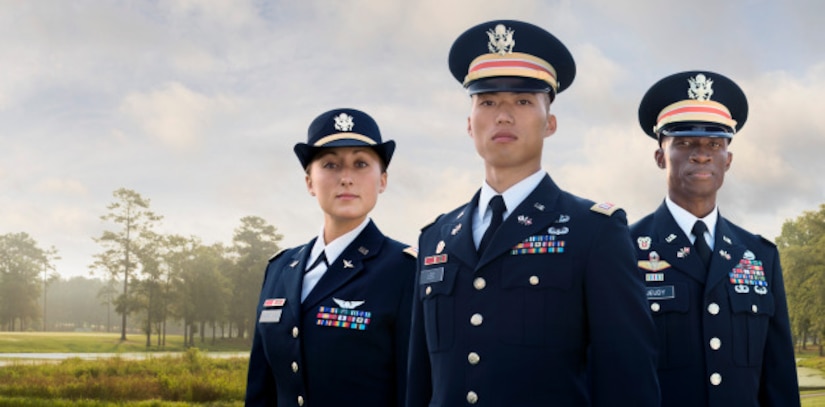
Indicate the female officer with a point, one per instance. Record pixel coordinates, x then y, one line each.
334 314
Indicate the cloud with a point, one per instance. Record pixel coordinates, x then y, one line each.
174 114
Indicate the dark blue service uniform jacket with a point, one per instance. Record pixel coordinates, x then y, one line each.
556 290
724 333
347 343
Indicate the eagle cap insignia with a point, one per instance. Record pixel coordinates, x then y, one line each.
701 87
344 122
501 40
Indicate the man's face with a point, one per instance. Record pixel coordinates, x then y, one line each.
695 167
509 128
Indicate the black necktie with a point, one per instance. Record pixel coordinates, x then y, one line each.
321 258
497 203
701 245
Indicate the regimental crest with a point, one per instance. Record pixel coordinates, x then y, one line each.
343 122
644 242
501 40
701 87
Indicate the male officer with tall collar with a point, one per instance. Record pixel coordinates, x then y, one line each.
526 295
715 290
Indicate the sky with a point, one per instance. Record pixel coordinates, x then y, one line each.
196 105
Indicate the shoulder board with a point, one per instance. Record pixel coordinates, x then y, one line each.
764 239
280 252
432 223
412 251
605 208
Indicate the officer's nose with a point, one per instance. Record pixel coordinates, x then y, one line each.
504 116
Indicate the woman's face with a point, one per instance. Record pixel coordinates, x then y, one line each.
346 181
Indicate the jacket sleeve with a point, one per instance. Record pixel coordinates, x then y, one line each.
419 386
260 383
778 385
402 328
622 333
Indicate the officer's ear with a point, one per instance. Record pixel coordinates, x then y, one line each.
730 159
308 180
659 156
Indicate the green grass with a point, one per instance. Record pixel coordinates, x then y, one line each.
63 342
156 381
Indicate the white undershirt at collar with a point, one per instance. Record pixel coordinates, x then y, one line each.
334 249
685 220
513 197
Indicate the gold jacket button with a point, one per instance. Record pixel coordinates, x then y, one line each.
715 343
715 379
476 319
479 283
428 290
473 358
472 397
295 367
294 331
534 280
655 307
300 401
713 308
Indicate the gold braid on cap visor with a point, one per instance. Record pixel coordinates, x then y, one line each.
512 64
691 110
341 136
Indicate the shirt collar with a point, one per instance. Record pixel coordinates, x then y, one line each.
685 219
334 249
513 196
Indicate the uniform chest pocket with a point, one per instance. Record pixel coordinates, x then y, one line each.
669 305
750 316
536 298
435 289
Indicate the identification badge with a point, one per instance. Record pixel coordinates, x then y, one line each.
433 275
665 292
270 316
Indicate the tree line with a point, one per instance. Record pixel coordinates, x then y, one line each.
157 279
162 279
802 253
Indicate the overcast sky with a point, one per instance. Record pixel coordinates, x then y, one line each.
196 106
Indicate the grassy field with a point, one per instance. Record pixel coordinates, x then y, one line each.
192 378
161 380
63 342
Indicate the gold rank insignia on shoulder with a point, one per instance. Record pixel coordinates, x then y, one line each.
605 208
412 251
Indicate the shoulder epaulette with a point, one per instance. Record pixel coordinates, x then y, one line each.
412 251
276 255
605 208
766 240
427 226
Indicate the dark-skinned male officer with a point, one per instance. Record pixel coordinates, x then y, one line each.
545 309
715 290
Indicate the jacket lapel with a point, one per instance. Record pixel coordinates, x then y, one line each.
727 251
458 235
293 277
347 266
674 247
535 213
